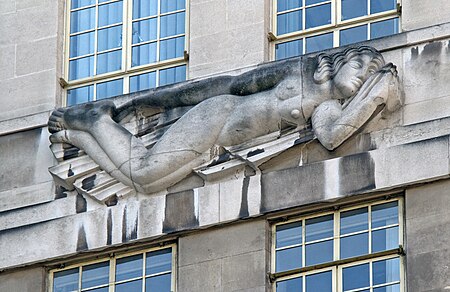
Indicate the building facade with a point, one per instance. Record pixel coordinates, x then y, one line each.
280 212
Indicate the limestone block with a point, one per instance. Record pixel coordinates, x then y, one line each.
31 279
233 202
208 204
210 280
27 4
20 197
7 6
151 215
181 211
7 62
428 200
427 110
28 59
208 18
242 14
422 13
24 123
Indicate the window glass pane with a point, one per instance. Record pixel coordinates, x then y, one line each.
144 30
160 283
383 28
110 13
319 43
104 289
291 285
81 68
288 259
390 288
142 82
81 3
289 22
310 2
129 267
172 75
82 44
80 95
172 24
65 280
129 286
158 261
172 5
171 48
144 54
356 277
319 282
386 271
108 62
143 8
109 38
288 49
95 275
354 245
353 8
382 5
82 20
319 228
109 89
283 5
353 35
318 15
354 220
385 239
289 234
384 214
320 252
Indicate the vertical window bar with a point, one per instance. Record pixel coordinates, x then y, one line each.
303 243
370 229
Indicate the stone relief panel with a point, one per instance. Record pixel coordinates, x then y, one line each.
197 130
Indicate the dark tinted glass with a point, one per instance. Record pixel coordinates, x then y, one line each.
384 214
66 280
288 49
386 271
158 261
354 245
383 28
109 89
143 81
356 277
319 228
160 283
288 234
385 239
310 2
390 288
283 5
353 35
353 8
129 267
291 285
382 5
288 259
129 286
80 95
320 252
354 221
95 275
172 75
319 43
318 15
319 282
289 22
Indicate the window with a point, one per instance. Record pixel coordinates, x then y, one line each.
121 46
148 271
354 249
306 26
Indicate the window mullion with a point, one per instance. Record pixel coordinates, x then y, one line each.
112 274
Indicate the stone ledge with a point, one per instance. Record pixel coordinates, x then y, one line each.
23 123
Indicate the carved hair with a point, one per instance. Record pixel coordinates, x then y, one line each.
329 64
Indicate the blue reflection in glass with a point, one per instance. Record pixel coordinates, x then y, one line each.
158 261
65 280
80 95
319 228
172 75
143 81
384 214
171 48
354 220
160 283
383 28
82 44
386 271
283 5
353 8
310 2
356 277
110 13
288 49
319 282
143 8
382 5
81 3
81 68
354 245
291 285
319 42
172 24
108 62
144 54
144 30
390 288
289 22
385 239
109 89
318 15
129 267
289 234
288 259
129 286
353 35
104 289
81 20
172 5
95 275
320 252
109 38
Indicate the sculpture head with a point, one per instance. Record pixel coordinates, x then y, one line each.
348 69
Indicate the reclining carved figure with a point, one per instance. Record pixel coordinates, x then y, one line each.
343 92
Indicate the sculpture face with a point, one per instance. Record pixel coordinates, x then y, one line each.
352 75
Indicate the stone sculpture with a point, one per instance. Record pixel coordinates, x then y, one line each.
335 93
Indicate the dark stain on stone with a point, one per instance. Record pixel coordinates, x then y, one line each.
433 48
70 153
124 225
180 212
80 204
109 228
70 172
414 53
308 137
133 234
112 201
81 241
60 192
88 183
243 212
255 152
220 159
357 173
